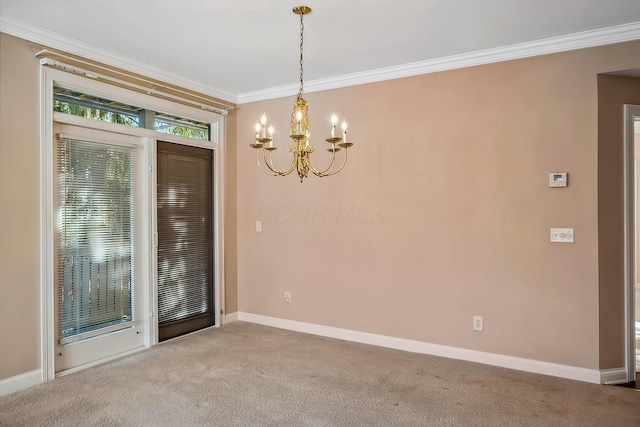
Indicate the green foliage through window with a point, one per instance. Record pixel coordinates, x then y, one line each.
179 126
93 107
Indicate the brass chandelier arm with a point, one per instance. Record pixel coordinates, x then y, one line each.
272 173
329 171
325 172
269 164
280 173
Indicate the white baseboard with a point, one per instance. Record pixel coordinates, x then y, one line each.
607 376
20 382
613 376
231 317
521 364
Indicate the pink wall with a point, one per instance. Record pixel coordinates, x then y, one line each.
443 211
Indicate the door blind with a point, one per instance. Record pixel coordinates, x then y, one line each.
184 234
94 256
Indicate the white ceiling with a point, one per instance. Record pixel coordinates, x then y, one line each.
236 48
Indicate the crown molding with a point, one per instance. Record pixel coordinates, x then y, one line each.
53 40
585 39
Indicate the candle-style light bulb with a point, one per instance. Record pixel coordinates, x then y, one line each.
263 122
298 119
270 135
334 121
344 131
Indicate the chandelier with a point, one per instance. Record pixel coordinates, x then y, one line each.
300 132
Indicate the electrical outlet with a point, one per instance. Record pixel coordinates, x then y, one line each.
258 226
478 323
287 296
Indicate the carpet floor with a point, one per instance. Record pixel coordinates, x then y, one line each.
244 374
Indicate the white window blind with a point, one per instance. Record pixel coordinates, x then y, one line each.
95 263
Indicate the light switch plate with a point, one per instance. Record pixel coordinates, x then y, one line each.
562 235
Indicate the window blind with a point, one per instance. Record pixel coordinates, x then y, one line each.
184 196
95 185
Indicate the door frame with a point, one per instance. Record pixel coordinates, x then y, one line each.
630 256
49 76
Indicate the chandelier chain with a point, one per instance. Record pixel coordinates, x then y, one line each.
301 90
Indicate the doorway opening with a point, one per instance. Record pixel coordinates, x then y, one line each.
636 293
632 239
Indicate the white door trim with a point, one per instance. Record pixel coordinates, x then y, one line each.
49 76
47 298
630 111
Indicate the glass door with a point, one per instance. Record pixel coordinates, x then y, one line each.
185 239
97 245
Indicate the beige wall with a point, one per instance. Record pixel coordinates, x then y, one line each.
613 93
443 212
19 208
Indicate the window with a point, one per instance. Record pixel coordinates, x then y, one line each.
80 104
95 186
167 123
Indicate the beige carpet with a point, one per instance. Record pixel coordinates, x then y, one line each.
244 375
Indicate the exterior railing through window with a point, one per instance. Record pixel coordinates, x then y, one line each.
95 294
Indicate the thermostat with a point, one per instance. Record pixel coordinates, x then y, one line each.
558 179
